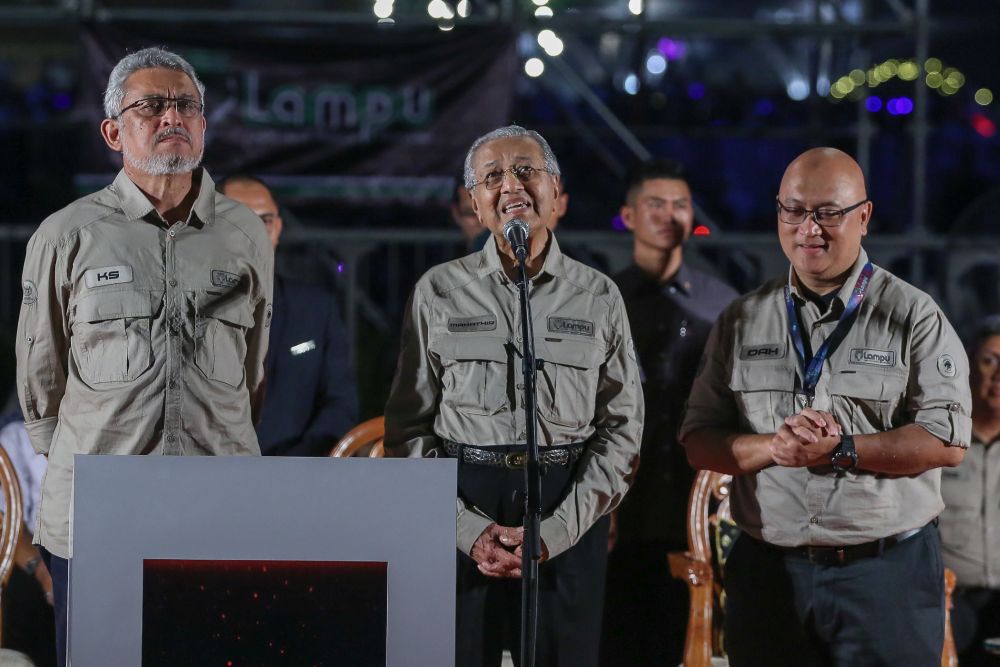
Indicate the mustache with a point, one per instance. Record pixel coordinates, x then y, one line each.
171 131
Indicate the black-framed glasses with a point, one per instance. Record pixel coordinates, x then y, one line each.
824 217
524 173
153 107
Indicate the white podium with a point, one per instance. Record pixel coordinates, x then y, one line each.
245 561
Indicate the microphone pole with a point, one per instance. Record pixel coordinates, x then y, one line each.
516 233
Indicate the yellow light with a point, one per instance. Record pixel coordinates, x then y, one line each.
885 71
947 89
908 71
932 65
873 77
857 76
891 67
934 79
984 97
835 92
956 79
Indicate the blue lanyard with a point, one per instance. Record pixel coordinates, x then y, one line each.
813 368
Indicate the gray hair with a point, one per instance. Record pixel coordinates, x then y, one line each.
150 58
506 133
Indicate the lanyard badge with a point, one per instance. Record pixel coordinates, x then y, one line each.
812 368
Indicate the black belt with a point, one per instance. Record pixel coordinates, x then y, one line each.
562 455
843 555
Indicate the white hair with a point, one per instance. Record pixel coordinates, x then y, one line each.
506 133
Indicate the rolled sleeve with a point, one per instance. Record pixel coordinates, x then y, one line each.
42 346
940 398
609 465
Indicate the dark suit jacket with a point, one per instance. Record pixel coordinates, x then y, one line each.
310 398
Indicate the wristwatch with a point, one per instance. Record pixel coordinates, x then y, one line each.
844 457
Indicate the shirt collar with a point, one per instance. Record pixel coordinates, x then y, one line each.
136 206
844 293
552 266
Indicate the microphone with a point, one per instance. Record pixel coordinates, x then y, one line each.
516 233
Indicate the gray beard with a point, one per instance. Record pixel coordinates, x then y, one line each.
162 165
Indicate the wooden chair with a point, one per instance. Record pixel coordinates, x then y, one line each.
709 530
366 436
10 520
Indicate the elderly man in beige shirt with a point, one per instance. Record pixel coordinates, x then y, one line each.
833 396
458 392
145 305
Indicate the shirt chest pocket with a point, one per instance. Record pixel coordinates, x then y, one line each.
111 339
220 335
567 382
764 395
474 373
864 402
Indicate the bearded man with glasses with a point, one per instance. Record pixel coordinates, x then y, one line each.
834 396
145 305
458 393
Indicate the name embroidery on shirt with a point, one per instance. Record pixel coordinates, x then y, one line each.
225 279
869 357
569 326
477 323
763 351
108 275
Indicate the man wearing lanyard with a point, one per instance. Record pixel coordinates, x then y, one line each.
833 396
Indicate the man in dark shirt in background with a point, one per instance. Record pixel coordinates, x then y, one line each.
310 399
671 307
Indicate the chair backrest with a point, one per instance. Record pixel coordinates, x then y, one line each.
366 436
709 538
10 524
10 521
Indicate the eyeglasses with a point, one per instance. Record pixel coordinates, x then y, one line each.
523 173
152 107
824 217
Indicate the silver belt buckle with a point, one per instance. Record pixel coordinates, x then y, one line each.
515 460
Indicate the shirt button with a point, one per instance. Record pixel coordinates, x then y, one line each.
172 282
171 233
169 437
814 520
29 339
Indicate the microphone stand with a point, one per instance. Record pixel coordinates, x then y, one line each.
531 548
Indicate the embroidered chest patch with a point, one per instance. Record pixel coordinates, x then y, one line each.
869 357
477 323
763 351
566 325
108 275
224 279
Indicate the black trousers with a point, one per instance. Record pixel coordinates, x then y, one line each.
570 589
59 569
975 617
884 611
28 624
645 610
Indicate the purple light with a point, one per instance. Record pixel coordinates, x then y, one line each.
670 49
891 107
873 103
763 107
618 224
340 267
61 101
904 105
696 90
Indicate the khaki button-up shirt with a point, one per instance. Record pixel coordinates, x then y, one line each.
970 522
900 363
138 337
459 379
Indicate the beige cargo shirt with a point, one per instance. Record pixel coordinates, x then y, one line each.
139 338
901 363
459 379
970 522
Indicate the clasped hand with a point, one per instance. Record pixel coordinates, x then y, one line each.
499 549
806 439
